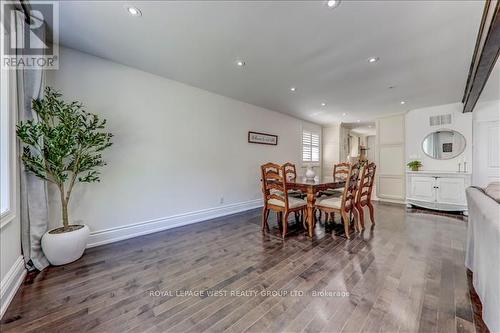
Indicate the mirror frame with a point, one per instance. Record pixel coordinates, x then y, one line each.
443 130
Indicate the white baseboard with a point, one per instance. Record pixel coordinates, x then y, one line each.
392 201
111 235
10 283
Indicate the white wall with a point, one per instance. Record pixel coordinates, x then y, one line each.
177 149
390 158
331 149
371 145
486 149
418 127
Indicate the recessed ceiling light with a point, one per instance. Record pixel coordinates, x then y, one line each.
373 59
134 11
333 3
240 63
344 114
323 104
402 102
293 89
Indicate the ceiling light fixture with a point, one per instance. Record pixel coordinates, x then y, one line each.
323 104
333 3
344 114
240 63
134 11
293 89
373 59
402 102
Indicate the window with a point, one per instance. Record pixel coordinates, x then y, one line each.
5 165
310 146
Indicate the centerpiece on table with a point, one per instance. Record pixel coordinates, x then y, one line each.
310 174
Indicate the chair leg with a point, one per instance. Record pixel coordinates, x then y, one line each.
361 216
346 224
304 219
356 219
265 215
285 224
372 213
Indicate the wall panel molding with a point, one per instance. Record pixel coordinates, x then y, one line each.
390 157
11 283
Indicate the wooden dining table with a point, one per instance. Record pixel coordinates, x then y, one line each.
311 188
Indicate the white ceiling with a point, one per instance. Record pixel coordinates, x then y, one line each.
425 49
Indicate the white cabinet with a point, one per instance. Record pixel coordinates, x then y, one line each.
437 190
422 188
450 190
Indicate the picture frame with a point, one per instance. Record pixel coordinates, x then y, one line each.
262 138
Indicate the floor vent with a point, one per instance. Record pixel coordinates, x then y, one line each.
442 119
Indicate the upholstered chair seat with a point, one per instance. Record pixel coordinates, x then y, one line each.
329 202
293 193
292 202
333 191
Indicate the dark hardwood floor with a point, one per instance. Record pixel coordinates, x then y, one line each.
405 275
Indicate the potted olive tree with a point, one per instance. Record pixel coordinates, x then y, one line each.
63 146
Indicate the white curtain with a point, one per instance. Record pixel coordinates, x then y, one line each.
29 85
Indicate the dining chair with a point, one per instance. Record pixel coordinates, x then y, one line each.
274 185
290 173
345 204
364 194
340 173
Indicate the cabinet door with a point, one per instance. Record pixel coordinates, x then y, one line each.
422 188
451 190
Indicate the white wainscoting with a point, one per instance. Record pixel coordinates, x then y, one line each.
390 158
486 152
10 283
111 235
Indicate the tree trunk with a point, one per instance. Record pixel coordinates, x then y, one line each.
64 206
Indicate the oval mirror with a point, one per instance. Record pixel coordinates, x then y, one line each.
443 144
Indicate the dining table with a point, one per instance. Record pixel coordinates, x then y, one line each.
311 188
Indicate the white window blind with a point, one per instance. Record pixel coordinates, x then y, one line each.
310 146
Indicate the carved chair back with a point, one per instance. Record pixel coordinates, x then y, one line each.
351 188
341 171
366 184
274 183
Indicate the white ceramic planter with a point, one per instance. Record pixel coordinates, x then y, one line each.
310 174
65 247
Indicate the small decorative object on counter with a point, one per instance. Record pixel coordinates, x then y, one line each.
414 165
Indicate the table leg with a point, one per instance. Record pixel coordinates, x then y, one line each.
311 198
